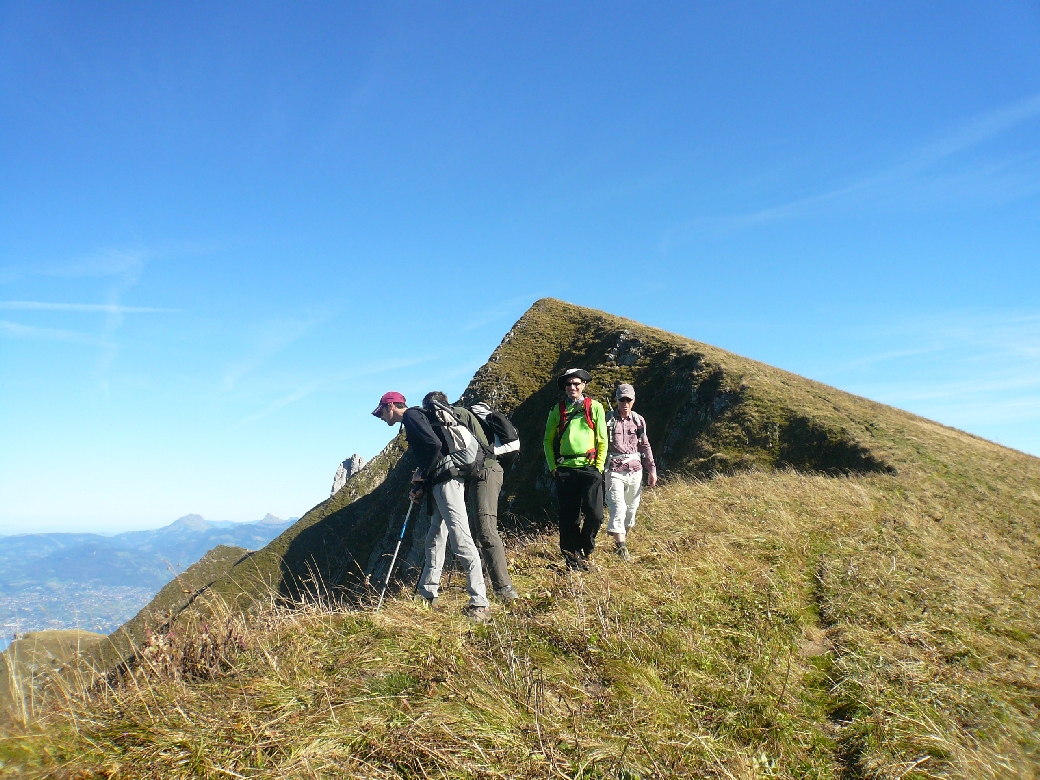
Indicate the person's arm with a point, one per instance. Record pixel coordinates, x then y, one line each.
422 438
600 420
643 446
550 433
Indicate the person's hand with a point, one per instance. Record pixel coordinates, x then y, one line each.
416 494
651 481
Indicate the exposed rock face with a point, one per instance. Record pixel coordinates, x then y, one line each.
346 470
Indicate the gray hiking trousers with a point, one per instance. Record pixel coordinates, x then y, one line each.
484 523
449 525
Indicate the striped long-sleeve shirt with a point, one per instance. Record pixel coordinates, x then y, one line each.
628 442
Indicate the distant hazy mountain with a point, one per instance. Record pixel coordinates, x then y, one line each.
66 580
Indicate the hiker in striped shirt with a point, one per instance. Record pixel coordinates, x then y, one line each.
628 451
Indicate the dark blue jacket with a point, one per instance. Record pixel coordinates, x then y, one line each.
423 442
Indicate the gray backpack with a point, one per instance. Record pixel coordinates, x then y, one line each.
464 457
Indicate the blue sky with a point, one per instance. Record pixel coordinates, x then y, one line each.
226 229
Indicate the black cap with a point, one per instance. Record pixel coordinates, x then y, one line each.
581 373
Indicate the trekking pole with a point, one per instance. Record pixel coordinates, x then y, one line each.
393 560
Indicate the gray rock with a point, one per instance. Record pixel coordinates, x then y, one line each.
346 470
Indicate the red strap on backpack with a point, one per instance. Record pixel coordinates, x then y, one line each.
587 403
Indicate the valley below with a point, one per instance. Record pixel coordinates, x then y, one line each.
96 583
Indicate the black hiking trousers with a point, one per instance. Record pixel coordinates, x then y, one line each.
580 493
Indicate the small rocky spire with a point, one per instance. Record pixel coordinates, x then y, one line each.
346 470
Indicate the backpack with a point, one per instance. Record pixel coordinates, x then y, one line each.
464 456
565 421
501 433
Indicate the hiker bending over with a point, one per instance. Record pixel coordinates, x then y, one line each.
448 498
484 489
575 448
629 449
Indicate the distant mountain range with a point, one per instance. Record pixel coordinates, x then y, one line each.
69 580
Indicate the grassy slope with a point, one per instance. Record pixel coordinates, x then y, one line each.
785 624
30 660
776 623
716 412
72 655
169 601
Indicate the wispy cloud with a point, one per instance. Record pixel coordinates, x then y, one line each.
121 263
269 338
125 268
920 177
334 380
968 369
975 132
281 403
18 331
982 128
107 308
121 267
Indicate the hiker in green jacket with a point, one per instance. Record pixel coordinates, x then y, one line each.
575 449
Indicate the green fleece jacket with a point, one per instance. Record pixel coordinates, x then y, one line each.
578 437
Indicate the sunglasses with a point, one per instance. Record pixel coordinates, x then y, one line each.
576 383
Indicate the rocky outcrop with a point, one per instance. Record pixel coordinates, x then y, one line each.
346 470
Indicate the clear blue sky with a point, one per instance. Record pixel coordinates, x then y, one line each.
226 229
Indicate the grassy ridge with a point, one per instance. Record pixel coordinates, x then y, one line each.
712 412
824 587
775 624
28 663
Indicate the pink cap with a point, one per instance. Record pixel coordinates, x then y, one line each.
392 397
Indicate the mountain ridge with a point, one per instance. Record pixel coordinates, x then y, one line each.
822 587
709 411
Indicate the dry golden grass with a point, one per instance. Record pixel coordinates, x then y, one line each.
772 625
32 661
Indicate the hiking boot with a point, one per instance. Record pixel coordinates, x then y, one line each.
508 595
477 614
576 562
621 550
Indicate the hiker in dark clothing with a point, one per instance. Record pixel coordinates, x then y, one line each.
449 503
483 492
575 446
